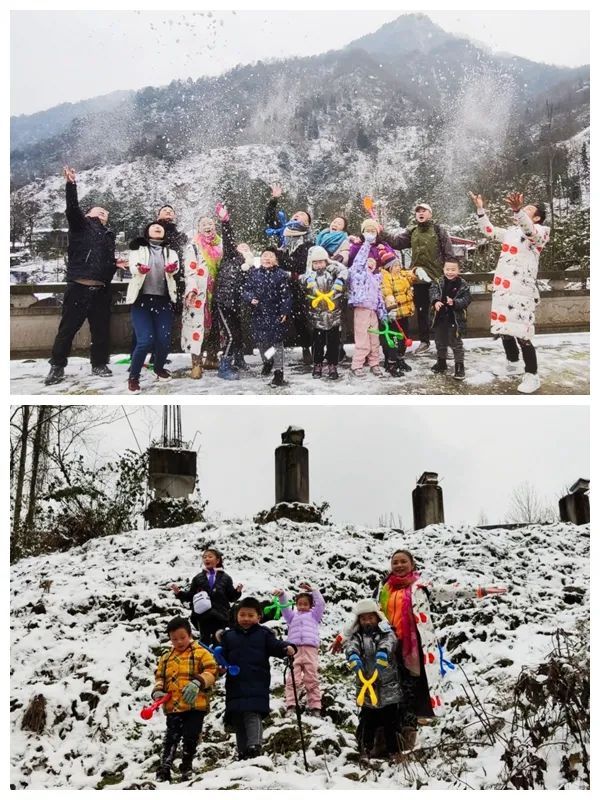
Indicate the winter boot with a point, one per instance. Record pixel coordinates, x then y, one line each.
267 367
377 371
185 767
440 366
254 751
408 738
226 370
333 372
403 365
239 362
56 375
102 371
459 371
278 378
196 372
211 362
163 773
306 356
317 370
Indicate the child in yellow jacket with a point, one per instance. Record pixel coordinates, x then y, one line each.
397 289
186 672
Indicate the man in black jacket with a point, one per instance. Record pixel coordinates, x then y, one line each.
90 269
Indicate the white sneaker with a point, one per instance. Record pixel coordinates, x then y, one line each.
359 373
422 348
530 383
509 369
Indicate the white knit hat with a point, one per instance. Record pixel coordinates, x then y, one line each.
368 607
316 253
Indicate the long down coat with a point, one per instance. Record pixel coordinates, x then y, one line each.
514 292
430 701
271 287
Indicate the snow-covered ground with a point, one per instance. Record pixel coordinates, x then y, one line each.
89 642
564 368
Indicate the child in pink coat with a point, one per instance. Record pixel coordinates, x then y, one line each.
303 631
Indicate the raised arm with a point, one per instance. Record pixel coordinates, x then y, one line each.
318 608
448 593
399 241
485 226
75 216
538 235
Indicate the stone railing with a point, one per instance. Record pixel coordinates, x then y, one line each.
35 312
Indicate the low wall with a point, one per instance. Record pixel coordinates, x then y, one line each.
33 325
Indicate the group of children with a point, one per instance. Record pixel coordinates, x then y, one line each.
310 282
389 644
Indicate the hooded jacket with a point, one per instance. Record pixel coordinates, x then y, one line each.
321 282
366 645
271 287
91 250
364 286
175 670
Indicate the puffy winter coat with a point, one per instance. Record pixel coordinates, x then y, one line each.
460 294
398 292
514 292
221 595
232 273
430 701
91 250
175 670
364 286
196 320
331 279
376 249
271 287
416 237
139 255
387 686
250 650
303 626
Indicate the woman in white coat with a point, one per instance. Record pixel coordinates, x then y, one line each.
202 258
404 599
152 293
514 292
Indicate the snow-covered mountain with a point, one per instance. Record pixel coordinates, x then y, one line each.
407 112
88 625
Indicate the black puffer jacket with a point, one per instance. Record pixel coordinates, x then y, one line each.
231 277
91 252
456 314
221 595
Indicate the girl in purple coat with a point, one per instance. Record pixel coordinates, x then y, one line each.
364 293
303 631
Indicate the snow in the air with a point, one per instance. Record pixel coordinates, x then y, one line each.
90 642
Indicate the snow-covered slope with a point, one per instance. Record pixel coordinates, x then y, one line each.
89 644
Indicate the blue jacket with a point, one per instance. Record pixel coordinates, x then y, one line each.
271 287
251 650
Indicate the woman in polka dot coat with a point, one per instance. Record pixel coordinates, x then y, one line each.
514 292
202 258
404 599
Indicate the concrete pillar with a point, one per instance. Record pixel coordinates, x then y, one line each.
575 506
428 501
291 468
171 471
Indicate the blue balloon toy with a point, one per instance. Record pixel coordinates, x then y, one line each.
283 221
217 653
445 665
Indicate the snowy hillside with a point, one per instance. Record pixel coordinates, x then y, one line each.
89 641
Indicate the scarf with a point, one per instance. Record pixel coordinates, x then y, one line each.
331 240
294 235
211 248
408 628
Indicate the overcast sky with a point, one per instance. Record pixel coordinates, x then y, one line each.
65 56
365 460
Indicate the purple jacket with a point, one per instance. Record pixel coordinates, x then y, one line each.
364 287
303 626
375 250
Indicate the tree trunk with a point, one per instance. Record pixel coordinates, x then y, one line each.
20 481
39 440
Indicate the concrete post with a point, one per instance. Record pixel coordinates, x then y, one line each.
575 506
291 468
428 501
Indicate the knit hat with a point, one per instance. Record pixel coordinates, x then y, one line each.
316 253
368 607
387 258
423 205
364 222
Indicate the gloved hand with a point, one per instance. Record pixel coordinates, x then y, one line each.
392 314
221 212
158 694
171 268
370 237
338 257
422 275
382 658
143 269
355 663
190 691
